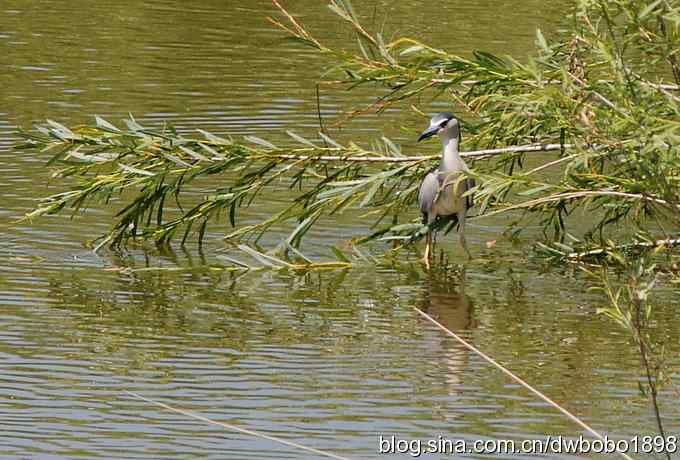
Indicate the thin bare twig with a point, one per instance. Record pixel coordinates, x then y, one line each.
600 96
238 429
516 378
671 58
318 113
550 164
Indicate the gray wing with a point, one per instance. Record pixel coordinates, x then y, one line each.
427 193
470 199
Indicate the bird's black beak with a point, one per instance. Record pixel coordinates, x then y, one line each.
429 132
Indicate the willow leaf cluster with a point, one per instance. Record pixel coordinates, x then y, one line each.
602 87
151 172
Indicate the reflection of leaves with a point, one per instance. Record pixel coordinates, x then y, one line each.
123 310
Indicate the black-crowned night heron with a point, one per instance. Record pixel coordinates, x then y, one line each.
441 193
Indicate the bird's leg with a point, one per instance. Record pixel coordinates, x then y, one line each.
461 233
428 243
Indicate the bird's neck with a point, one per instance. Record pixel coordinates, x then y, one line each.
450 158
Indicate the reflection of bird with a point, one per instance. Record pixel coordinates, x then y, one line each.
441 193
448 304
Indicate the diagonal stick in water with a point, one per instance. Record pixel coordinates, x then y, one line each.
517 379
238 429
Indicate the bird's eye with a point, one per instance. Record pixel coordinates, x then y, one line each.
443 124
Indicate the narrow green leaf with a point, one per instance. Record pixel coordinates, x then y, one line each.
301 139
193 154
260 141
340 255
132 124
215 154
233 261
134 170
536 190
330 141
542 43
649 9
392 147
101 123
412 49
216 139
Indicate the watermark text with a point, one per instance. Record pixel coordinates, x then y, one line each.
548 444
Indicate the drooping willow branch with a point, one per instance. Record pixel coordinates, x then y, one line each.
158 165
638 245
665 86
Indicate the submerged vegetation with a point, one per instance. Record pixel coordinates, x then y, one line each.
602 96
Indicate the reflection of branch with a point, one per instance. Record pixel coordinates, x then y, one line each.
640 323
650 381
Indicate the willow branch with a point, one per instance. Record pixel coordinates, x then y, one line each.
666 86
575 195
471 154
666 242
